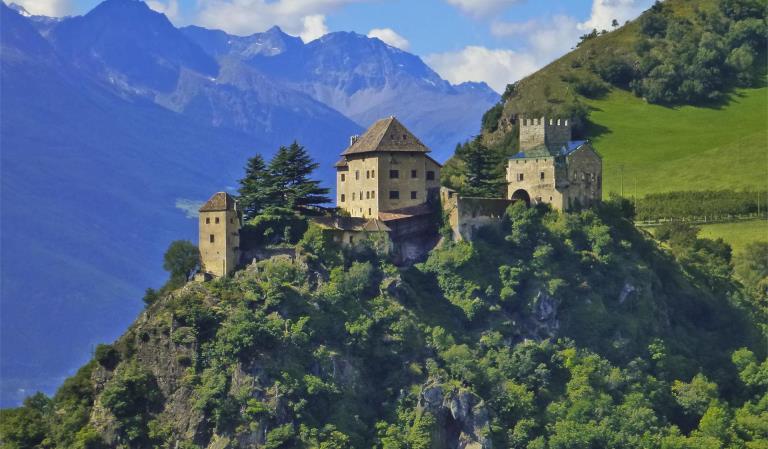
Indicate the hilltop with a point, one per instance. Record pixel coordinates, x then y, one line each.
626 88
559 330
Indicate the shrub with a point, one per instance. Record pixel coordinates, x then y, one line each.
107 356
132 396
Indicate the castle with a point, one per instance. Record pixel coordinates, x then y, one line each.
386 184
551 168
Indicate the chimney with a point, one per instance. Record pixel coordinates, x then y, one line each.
353 139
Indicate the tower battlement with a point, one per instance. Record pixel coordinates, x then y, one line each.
550 132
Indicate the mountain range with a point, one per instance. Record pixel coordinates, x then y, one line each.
115 124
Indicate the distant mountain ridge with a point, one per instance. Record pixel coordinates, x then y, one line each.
113 117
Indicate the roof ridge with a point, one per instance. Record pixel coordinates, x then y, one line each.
387 134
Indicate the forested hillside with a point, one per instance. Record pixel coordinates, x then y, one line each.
674 100
556 331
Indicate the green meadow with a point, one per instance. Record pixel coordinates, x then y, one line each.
737 234
662 148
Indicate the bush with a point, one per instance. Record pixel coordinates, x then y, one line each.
132 396
107 356
588 86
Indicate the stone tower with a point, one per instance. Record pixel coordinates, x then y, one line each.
536 132
386 169
219 235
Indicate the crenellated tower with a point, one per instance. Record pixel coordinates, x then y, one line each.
536 132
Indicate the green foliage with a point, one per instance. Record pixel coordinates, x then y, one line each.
107 356
706 204
283 184
26 426
133 397
181 260
476 170
280 437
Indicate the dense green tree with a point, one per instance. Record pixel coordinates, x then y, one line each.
256 188
484 176
289 174
181 260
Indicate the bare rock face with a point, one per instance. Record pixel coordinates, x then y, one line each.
462 419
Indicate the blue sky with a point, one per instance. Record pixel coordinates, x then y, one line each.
496 41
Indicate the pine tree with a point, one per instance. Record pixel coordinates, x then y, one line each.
483 176
256 189
289 174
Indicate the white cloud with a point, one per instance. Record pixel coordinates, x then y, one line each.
169 7
390 37
314 27
474 63
52 8
605 11
304 18
482 7
501 28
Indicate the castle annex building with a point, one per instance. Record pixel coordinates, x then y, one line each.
385 170
551 168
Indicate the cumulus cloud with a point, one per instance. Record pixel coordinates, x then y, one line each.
52 8
304 18
482 8
474 63
169 7
314 27
390 37
605 11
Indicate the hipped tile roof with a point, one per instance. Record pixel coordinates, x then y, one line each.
218 202
386 135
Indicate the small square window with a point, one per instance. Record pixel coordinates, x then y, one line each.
343 197
367 195
541 176
367 174
413 194
414 173
353 196
430 175
373 173
216 220
207 220
357 175
394 194
211 238
343 177
394 174
520 176
369 211
373 194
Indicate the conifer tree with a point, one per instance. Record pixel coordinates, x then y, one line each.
289 174
483 176
256 188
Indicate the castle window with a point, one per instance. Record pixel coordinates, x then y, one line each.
343 197
368 195
343 177
351 239
216 220
394 174
394 194
373 194
208 220
369 211
367 174
413 194
414 173
357 175
430 175
211 238
520 176
541 176
373 173
361 197
353 196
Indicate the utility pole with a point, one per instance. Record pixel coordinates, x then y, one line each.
621 168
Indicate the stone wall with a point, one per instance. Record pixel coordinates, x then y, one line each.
553 133
467 215
585 178
540 179
357 186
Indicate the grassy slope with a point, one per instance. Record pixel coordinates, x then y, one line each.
683 148
665 149
739 234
